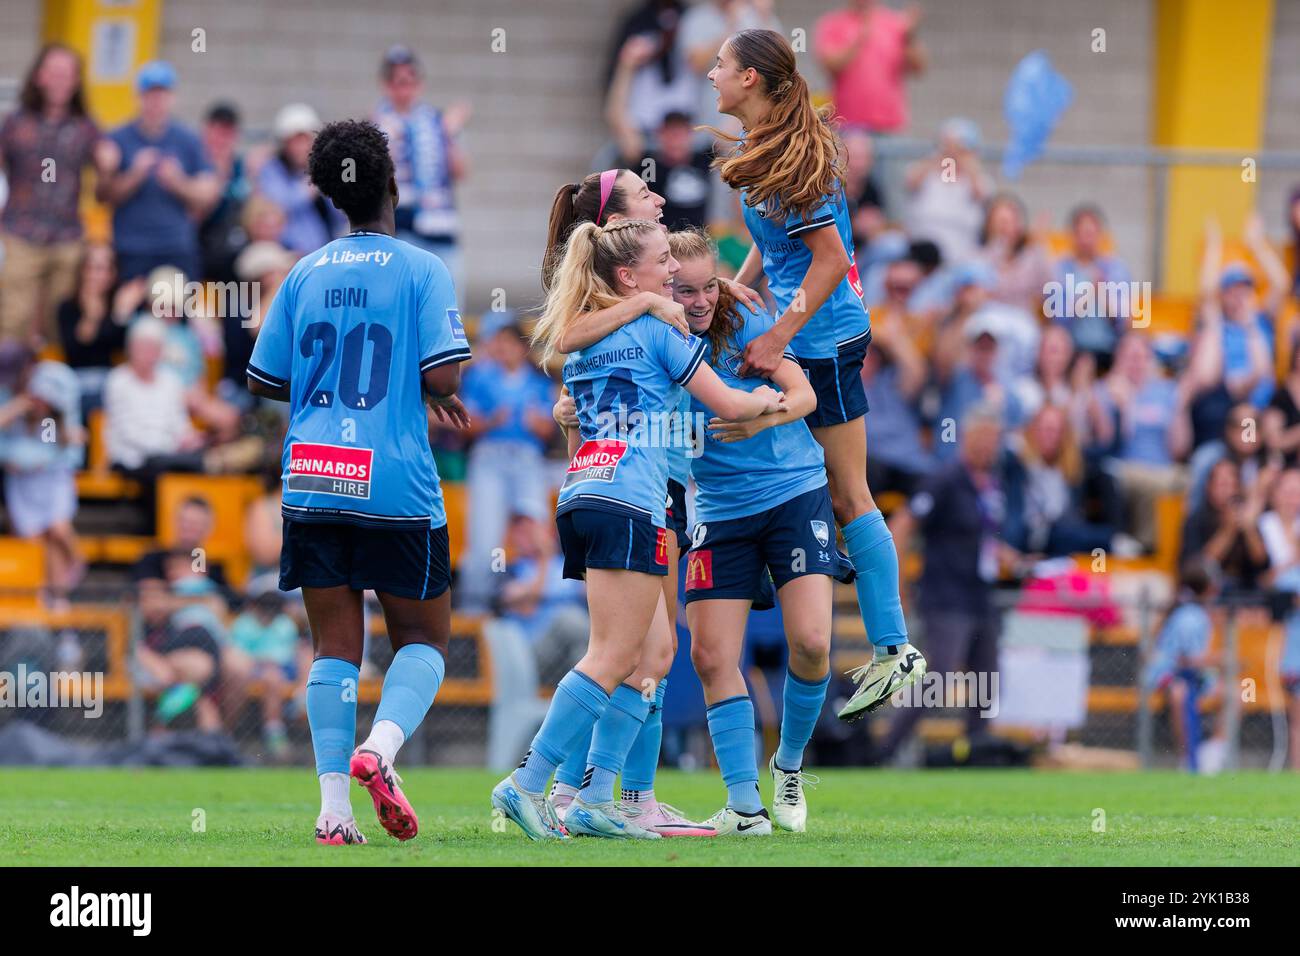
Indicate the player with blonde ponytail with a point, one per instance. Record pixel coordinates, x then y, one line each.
611 511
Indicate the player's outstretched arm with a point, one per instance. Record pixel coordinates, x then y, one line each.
591 328
800 400
733 404
830 264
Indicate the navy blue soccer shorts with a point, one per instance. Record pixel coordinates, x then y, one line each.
837 381
406 562
728 560
590 538
675 513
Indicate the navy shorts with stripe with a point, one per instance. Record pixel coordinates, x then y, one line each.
406 562
592 538
675 513
837 381
728 560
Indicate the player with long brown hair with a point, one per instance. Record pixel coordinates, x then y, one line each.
786 165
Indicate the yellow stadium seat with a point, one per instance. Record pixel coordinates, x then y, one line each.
22 572
455 501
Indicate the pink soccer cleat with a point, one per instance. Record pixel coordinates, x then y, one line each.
375 773
664 819
334 830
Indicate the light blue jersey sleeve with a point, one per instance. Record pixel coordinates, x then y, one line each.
681 355
797 224
441 333
756 323
272 358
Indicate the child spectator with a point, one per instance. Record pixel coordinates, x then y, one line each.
41 446
1182 658
268 636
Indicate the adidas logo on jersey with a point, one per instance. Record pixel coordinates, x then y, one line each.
344 256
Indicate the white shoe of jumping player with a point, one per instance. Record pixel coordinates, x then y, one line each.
789 805
892 669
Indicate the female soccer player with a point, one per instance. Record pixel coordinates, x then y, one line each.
762 506
611 511
786 166
361 333
607 197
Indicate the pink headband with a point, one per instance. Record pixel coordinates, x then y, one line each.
607 179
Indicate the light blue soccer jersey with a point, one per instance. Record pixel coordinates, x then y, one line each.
351 331
681 450
842 322
627 388
736 479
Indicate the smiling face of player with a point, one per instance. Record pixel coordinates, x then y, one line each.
653 270
736 86
641 202
695 289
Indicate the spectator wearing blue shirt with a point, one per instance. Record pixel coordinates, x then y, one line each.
549 609
1181 658
1232 357
310 220
163 186
1145 428
893 374
1092 326
974 382
509 402
423 141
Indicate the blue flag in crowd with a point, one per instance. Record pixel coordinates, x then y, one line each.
1034 100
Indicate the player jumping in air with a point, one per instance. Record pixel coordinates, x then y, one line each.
359 336
762 506
611 512
786 166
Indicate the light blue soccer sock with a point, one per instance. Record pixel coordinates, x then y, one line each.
731 725
332 712
871 549
573 768
643 759
577 705
410 685
614 735
802 706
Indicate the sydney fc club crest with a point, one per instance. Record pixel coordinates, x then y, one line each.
821 532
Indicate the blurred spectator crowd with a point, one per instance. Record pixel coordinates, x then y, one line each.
1012 369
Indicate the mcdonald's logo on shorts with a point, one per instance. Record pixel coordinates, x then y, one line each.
699 570
661 547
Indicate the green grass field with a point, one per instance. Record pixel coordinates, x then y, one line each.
857 817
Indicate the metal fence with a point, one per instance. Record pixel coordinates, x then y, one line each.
1072 687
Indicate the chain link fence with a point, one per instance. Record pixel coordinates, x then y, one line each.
1082 680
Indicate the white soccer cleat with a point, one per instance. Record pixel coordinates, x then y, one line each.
732 823
892 669
789 805
333 829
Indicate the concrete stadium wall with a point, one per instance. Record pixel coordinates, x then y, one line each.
537 119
